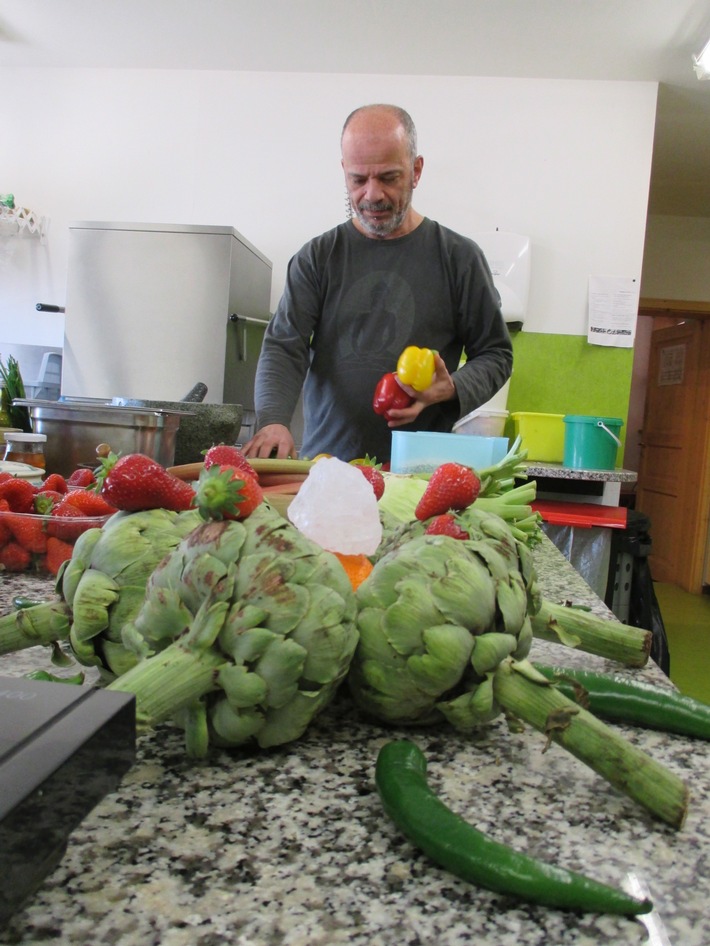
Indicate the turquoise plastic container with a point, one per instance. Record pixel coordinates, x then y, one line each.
422 451
591 443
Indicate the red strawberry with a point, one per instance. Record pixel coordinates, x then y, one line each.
226 493
223 454
56 482
374 477
5 476
446 524
29 531
57 553
66 521
45 500
82 477
13 558
136 482
89 502
450 486
19 494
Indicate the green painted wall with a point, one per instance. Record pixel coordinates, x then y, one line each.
563 374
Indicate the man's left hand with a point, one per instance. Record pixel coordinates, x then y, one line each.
442 388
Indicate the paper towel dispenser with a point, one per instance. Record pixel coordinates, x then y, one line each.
508 256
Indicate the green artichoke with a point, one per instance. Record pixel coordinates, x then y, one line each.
436 617
246 631
100 588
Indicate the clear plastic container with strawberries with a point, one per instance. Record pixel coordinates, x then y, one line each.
40 522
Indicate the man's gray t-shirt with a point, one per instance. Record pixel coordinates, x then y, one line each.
350 306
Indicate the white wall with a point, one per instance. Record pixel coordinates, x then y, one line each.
676 261
565 162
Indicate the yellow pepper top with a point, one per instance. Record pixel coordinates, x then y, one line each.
416 367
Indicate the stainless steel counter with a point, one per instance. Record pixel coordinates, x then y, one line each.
290 847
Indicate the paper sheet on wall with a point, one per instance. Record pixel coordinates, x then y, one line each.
613 307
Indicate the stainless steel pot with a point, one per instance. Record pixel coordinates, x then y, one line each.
74 430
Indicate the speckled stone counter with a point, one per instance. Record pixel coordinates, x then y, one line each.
291 847
558 481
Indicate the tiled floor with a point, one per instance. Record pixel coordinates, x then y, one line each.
686 618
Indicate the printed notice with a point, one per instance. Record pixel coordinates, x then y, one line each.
613 307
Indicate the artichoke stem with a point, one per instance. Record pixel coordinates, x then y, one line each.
40 624
168 681
520 690
609 639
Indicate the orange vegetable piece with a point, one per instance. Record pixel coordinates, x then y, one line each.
357 567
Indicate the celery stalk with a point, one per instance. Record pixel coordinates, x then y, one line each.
577 628
528 695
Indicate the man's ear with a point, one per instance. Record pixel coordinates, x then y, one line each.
418 166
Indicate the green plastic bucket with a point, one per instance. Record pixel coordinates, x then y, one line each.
591 443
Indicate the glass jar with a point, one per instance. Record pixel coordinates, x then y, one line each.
25 448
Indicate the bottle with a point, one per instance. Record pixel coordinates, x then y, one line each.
25 448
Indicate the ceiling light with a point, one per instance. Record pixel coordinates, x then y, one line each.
701 63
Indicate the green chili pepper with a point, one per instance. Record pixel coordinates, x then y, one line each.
20 602
47 677
454 844
629 701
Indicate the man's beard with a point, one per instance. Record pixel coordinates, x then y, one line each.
381 228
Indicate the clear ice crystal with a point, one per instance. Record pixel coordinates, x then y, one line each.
336 507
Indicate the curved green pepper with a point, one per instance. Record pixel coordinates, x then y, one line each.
635 702
457 846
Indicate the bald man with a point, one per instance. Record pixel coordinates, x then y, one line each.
359 294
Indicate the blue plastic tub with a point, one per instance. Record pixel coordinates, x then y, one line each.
423 451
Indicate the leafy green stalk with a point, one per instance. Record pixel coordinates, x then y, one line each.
14 388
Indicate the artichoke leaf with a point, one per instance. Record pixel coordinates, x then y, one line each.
206 575
242 636
162 617
373 644
414 610
329 651
95 593
496 563
242 688
68 581
466 595
327 609
490 650
281 667
289 722
448 653
512 602
525 639
233 727
264 582
472 709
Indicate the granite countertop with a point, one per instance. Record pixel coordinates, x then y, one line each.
538 469
290 847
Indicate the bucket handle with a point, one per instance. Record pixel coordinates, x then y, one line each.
600 423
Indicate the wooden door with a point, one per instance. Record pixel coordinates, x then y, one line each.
673 485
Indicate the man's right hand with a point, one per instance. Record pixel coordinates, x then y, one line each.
272 440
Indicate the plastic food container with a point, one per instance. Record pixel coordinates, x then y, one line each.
543 435
25 448
39 544
482 423
424 451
